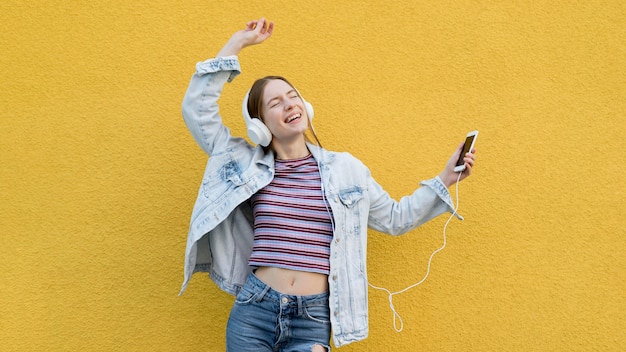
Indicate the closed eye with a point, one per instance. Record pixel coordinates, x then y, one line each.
276 101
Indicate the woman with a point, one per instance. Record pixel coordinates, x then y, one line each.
283 225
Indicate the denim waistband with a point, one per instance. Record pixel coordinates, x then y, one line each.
268 293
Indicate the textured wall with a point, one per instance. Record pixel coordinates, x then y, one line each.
98 173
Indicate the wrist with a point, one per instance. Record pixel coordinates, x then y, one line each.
231 48
446 179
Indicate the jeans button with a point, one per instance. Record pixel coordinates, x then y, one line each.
285 300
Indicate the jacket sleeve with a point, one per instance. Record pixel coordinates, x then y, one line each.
397 217
200 109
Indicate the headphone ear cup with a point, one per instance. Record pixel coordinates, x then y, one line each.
309 109
258 132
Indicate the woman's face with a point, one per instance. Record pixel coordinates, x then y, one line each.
283 111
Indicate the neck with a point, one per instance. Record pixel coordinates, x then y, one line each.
294 150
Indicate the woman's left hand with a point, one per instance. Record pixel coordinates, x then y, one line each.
448 176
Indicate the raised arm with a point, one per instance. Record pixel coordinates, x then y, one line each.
200 109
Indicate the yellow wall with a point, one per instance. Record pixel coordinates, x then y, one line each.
98 172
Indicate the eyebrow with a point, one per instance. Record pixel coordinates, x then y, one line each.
293 90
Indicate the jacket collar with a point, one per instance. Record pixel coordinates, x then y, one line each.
320 154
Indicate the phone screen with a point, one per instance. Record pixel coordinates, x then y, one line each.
466 149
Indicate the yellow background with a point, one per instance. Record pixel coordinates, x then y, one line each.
99 174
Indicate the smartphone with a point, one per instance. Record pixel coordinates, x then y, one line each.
470 140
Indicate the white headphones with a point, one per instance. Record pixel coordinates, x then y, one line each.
257 131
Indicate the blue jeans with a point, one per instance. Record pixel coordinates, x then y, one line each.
263 319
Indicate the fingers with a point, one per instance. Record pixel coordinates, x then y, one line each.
266 28
260 26
270 28
470 160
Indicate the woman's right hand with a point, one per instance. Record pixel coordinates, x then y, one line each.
256 32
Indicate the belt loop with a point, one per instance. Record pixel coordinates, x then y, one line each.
300 306
260 296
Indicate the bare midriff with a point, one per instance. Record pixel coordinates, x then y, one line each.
293 282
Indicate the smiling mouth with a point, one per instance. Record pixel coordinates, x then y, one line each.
294 117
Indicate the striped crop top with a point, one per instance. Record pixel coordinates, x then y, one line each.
292 221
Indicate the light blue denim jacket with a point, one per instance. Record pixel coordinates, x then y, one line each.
221 230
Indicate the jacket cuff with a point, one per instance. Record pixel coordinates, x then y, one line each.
226 63
442 192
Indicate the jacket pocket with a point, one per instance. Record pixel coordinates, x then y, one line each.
219 182
350 197
351 209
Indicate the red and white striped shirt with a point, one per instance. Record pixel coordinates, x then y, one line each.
292 221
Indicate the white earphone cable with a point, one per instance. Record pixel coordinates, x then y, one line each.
396 315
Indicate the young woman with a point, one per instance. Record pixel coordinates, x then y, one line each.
283 225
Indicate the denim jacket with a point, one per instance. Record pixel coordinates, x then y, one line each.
221 230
